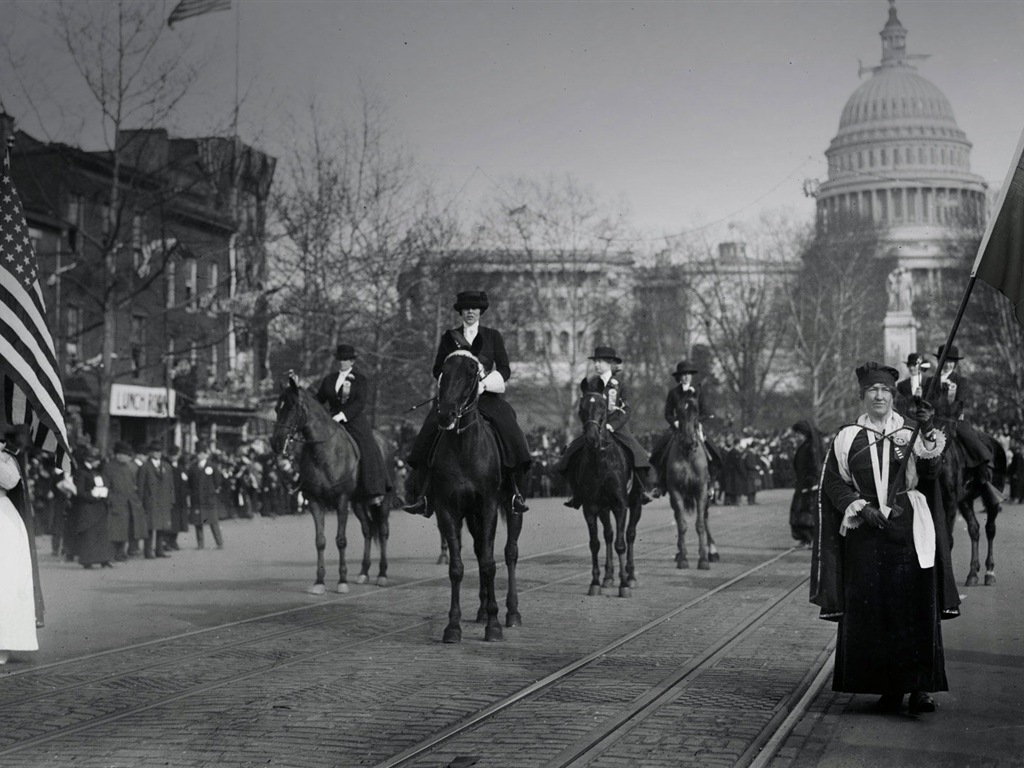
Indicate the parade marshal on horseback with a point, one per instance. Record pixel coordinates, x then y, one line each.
344 395
608 380
686 390
488 346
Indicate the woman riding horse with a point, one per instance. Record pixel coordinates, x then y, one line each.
488 346
686 389
608 381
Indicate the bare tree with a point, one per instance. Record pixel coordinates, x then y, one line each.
135 73
570 254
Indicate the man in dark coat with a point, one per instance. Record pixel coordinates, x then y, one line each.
344 394
609 382
123 476
179 514
488 346
157 491
203 495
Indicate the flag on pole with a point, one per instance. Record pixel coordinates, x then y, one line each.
1000 261
186 9
32 392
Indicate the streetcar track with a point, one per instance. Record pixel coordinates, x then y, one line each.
428 745
197 689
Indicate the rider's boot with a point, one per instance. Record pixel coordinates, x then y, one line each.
646 497
413 485
518 502
572 502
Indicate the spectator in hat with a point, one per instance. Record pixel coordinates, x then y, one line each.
912 386
125 503
488 346
883 573
203 490
17 596
90 510
179 513
609 381
157 491
345 395
807 461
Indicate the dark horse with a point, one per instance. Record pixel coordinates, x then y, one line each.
960 487
466 484
601 479
688 482
328 472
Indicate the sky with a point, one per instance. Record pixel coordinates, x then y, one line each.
690 112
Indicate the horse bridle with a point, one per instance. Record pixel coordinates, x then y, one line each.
294 429
470 405
600 424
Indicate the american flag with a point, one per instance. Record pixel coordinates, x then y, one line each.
31 388
186 9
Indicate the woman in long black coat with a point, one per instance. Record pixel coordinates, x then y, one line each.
91 512
807 462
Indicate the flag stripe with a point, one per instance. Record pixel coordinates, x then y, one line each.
32 389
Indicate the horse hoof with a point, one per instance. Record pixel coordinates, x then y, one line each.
382 581
442 560
703 565
317 589
990 579
972 580
361 578
595 590
452 635
481 616
682 565
713 557
493 633
513 619
342 587
625 592
632 583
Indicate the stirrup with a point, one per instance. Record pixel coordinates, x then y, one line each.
573 503
418 507
519 504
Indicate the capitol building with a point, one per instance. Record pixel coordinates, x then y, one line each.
900 161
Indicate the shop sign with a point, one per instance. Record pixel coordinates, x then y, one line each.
144 402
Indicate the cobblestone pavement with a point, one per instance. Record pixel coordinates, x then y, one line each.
221 659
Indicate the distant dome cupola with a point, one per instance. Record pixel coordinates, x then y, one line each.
894 39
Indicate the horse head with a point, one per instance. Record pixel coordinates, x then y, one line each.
291 415
458 388
689 422
593 411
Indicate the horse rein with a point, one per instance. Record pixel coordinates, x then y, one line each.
600 424
470 405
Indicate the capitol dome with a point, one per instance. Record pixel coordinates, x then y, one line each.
899 159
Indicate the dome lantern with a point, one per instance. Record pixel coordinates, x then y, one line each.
894 40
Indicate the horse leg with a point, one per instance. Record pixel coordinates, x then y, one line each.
609 550
342 541
595 547
442 559
514 526
974 531
634 518
451 534
712 549
701 505
316 509
483 544
680 516
990 533
620 547
383 527
362 515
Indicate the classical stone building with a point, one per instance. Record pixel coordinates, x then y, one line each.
901 161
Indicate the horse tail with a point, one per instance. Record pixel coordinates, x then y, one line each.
376 514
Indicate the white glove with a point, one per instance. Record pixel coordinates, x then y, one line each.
493 382
340 417
610 427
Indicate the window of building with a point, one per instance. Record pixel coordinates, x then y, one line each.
531 342
563 342
73 333
191 285
137 342
213 291
171 272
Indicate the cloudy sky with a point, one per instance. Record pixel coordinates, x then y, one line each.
690 111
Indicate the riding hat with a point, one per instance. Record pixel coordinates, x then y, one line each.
124 447
954 353
345 352
914 358
606 353
154 446
876 373
471 300
684 367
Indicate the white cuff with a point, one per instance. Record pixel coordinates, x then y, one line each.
493 382
851 518
340 417
938 443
